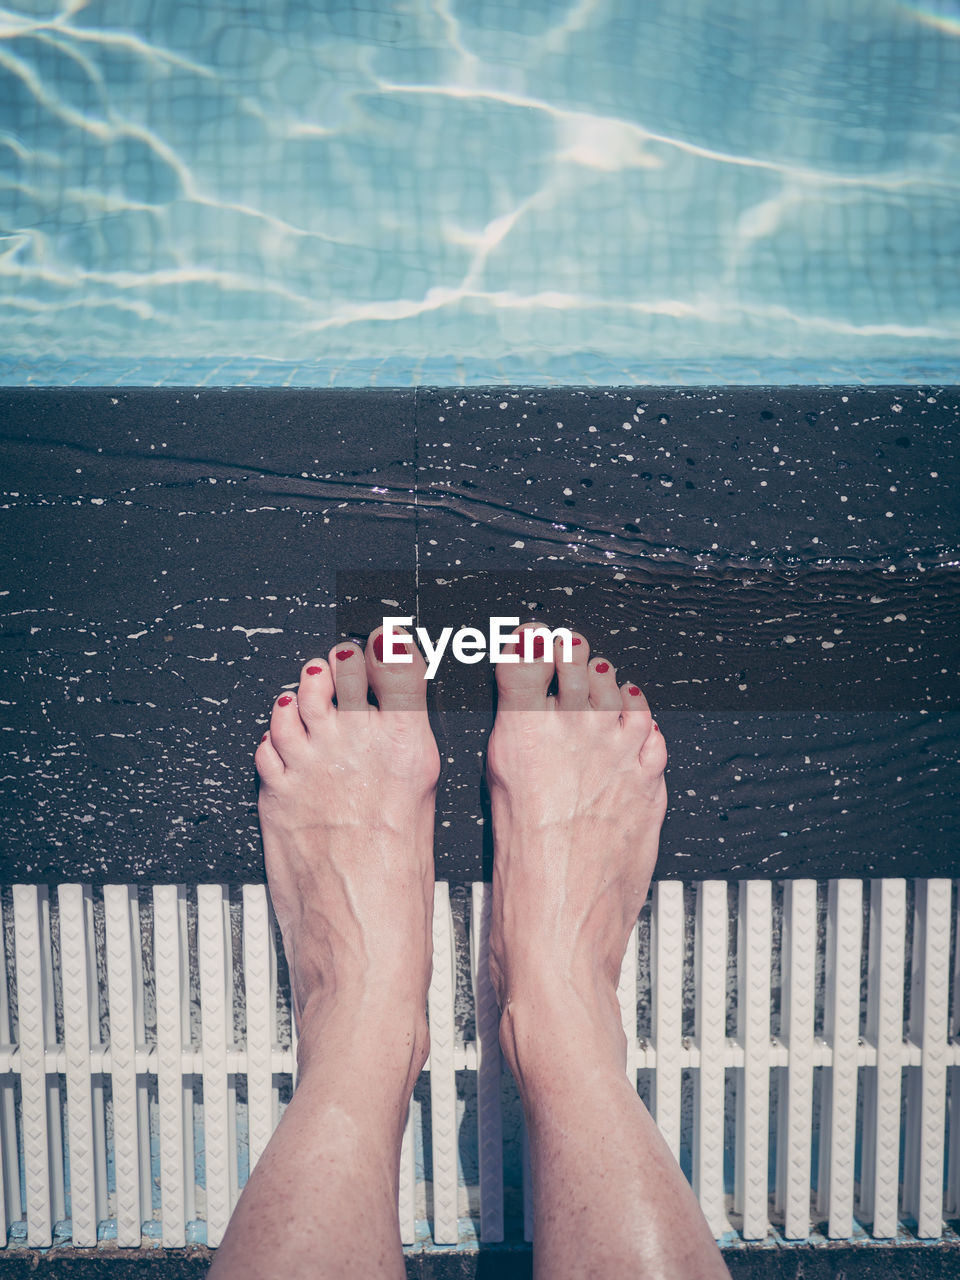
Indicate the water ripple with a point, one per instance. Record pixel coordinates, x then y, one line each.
467 189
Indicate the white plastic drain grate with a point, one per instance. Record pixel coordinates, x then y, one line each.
146 1054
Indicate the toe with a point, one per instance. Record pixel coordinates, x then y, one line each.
268 762
603 691
315 695
573 677
653 753
349 675
400 684
287 730
635 713
522 682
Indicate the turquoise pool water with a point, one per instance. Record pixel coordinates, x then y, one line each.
462 191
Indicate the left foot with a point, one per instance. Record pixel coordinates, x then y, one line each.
346 811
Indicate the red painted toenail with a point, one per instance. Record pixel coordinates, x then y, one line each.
602 667
314 671
634 691
538 646
343 654
284 701
398 647
265 737
656 726
577 640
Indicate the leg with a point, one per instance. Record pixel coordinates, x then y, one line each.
346 811
578 799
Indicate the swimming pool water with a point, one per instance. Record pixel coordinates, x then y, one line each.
464 191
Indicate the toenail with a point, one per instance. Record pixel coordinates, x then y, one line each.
656 726
577 640
634 691
314 671
284 701
398 647
343 654
265 737
602 667
538 646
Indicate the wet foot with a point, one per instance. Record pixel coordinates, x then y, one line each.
578 798
346 811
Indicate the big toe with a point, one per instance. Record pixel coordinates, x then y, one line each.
522 682
397 673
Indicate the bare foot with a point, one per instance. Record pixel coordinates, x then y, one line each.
346 811
578 797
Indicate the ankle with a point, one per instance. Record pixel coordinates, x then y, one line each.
391 1038
554 1025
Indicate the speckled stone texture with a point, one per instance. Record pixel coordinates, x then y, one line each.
799 1262
777 566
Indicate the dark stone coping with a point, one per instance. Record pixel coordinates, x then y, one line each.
842 1261
776 565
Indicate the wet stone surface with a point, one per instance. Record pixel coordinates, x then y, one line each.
776 566
503 1262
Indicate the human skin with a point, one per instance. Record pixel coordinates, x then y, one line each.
346 811
578 798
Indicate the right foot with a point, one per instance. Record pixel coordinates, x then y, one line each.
578 798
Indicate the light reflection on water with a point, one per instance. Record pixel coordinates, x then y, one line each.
620 191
